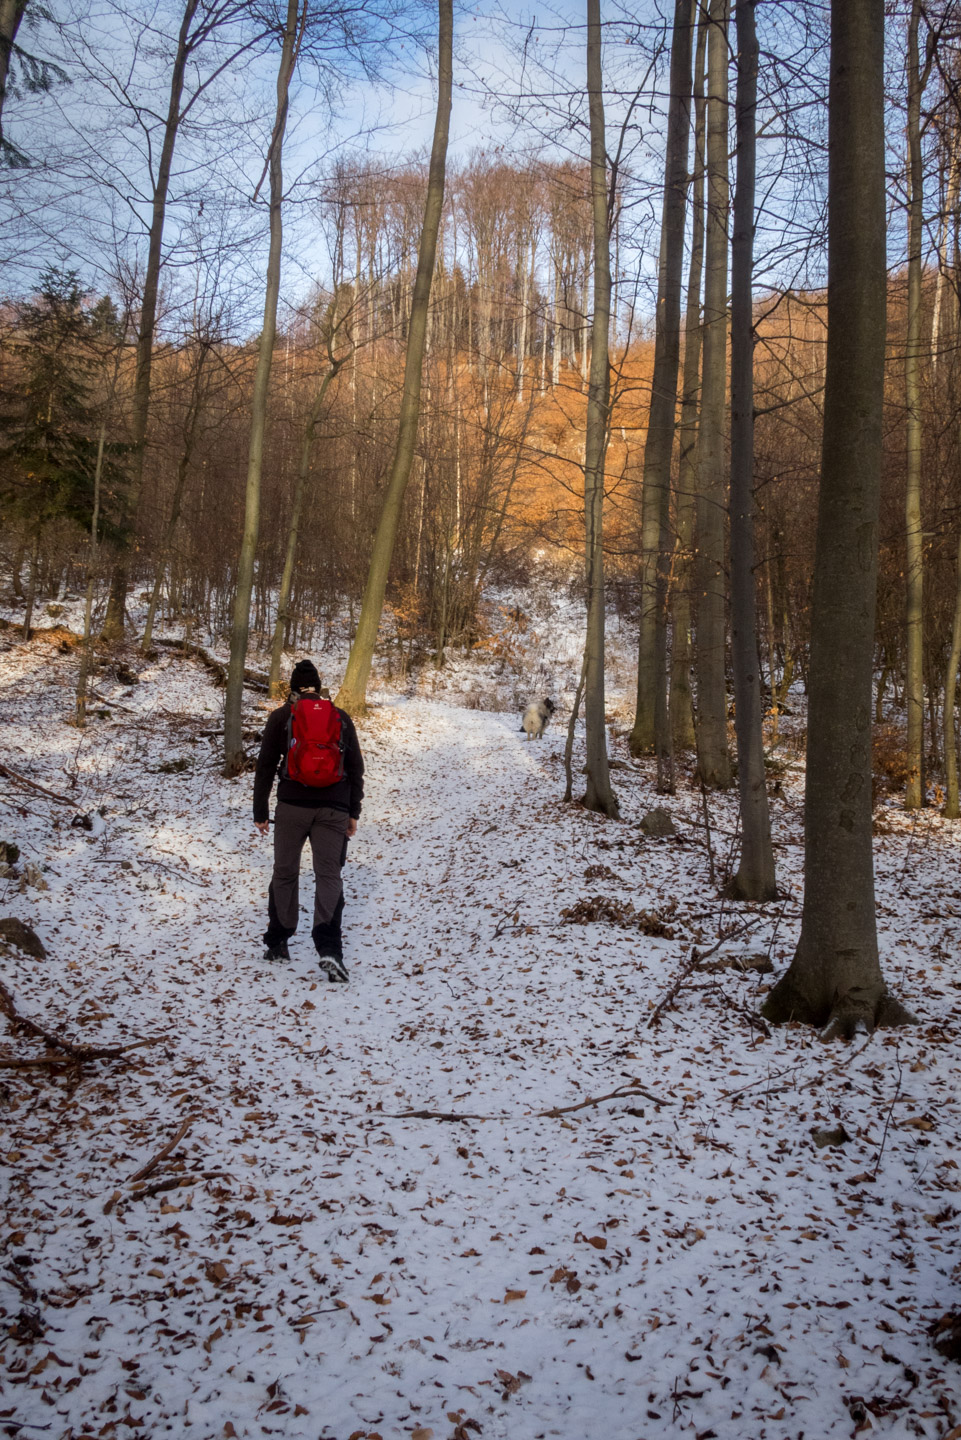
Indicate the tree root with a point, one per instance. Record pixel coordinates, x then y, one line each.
857 1011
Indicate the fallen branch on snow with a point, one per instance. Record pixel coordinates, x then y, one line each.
252 678
78 1053
177 1182
47 1062
19 779
623 1092
161 1155
687 970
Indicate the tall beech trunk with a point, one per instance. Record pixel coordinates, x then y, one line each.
33 577
183 466
755 879
682 708
713 761
240 627
11 13
950 206
86 652
951 810
353 692
913 533
835 979
293 532
599 795
113 626
650 730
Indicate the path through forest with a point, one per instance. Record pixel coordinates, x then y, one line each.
312 1259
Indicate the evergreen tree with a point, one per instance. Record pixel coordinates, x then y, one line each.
48 421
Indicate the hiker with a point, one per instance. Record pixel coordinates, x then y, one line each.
315 748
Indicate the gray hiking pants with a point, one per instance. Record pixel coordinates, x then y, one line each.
326 829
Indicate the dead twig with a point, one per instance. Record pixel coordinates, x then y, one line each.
19 779
707 829
623 1092
692 964
57 1042
671 994
44 1062
114 704
177 1182
144 1192
887 1119
161 1155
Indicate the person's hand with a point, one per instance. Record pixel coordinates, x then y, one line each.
351 828
263 826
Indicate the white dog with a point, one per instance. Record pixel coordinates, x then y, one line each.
536 717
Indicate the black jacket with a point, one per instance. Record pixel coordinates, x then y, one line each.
347 794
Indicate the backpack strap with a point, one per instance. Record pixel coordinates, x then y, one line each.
285 773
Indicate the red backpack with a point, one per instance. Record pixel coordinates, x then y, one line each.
315 747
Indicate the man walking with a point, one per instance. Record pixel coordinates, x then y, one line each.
315 748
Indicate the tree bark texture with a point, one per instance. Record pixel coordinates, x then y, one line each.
913 534
682 707
113 626
240 627
651 713
835 979
353 691
713 761
951 810
11 13
599 796
755 877
86 656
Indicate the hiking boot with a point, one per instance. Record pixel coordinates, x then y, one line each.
333 967
278 951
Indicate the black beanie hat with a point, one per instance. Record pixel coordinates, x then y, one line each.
305 676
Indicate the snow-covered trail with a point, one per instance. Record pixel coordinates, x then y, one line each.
323 1264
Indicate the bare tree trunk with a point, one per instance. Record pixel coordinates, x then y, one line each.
556 332
835 977
950 205
755 878
113 626
682 710
951 810
80 702
32 579
290 555
647 734
170 528
713 760
353 692
240 627
914 536
11 13
571 727
599 795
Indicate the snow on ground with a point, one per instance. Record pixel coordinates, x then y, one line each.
371 1227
